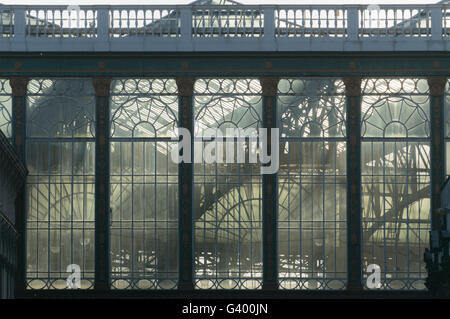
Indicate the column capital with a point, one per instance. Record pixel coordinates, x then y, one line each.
18 85
185 85
269 85
352 85
437 85
102 86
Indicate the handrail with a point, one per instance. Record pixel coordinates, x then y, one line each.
20 25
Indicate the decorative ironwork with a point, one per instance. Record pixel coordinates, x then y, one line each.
227 197
144 108
60 108
144 184
395 108
60 185
5 108
396 179
312 184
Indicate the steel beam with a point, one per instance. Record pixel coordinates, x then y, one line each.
102 280
353 102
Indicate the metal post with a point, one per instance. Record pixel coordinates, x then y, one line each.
352 23
353 97
102 213
269 23
270 189
102 43
185 189
18 43
437 90
19 92
436 23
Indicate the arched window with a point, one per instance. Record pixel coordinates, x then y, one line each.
60 186
144 184
312 184
227 196
396 179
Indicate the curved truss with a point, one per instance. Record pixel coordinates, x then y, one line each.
396 179
227 197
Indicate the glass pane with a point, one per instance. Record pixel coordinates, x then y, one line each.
312 237
227 196
396 211
60 108
311 108
395 108
144 184
144 108
227 103
144 216
5 108
396 180
60 184
61 213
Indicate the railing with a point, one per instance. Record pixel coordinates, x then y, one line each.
60 22
395 21
144 21
305 22
106 24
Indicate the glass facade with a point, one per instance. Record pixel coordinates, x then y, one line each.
144 184
227 196
396 179
60 186
227 199
312 184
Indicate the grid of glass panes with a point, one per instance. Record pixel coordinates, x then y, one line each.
312 184
60 187
227 191
144 184
5 108
447 128
395 180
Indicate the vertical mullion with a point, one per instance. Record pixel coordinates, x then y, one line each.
185 189
102 212
19 91
270 188
437 156
353 101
